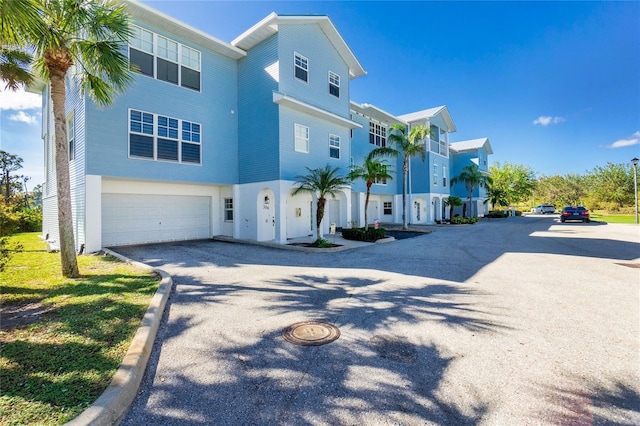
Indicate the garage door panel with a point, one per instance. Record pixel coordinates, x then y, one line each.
143 218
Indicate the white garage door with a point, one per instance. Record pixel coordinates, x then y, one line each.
134 219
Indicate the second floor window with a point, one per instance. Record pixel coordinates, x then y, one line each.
334 84
301 65
301 143
334 146
71 137
444 176
435 173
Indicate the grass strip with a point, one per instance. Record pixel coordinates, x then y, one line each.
62 340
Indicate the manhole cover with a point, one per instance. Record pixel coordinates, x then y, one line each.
310 333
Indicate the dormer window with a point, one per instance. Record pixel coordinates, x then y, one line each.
301 65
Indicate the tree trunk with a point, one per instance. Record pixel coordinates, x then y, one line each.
405 172
7 183
320 215
366 205
65 219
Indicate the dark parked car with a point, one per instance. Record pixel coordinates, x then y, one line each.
575 213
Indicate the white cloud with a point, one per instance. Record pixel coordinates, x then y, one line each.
19 100
621 143
23 117
545 120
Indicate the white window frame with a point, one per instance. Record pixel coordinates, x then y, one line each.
384 207
185 56
334 80
380 133
334 143
228 208
301 137
301 62
444 176
435 173
71 136
155 136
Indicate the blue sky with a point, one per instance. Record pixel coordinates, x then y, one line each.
553 85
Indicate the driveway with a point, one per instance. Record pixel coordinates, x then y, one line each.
509 321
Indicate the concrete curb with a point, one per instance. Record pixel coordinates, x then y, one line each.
292 247
114 402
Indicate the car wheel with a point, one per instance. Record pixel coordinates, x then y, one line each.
562 220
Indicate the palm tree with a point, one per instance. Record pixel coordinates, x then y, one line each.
405 145
497 196
14 68
322 182
372 170
472 177
89 34
452 201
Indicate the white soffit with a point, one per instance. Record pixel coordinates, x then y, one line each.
375 113
288 101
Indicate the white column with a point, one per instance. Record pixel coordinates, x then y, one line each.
93 213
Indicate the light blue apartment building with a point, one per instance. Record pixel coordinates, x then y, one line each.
211 136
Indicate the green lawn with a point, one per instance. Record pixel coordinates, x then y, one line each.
52 368
614 218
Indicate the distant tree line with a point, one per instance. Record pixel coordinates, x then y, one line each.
608 188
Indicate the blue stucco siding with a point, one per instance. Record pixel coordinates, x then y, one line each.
215 108
458 162
258 118
311 42
294 163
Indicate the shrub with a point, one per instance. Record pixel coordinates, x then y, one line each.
459 220
322 243
25 220
359 234
497 214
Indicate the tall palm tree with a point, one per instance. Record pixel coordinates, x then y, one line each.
322 181
89 34
14 68
406 145
372 170
472 177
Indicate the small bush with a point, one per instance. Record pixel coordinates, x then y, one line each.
322 243
359 234
497 214
459 220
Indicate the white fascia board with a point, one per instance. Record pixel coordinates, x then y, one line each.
296 104
155 17
376 113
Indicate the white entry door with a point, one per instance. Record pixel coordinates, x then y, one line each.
372 212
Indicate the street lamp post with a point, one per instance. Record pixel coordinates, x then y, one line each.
634 161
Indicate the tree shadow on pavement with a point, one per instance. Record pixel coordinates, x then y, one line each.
384 368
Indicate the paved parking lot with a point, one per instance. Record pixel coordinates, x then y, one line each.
511 321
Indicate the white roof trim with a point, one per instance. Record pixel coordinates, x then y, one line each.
282 99
148 14
376 113
269 26
472 145
426 114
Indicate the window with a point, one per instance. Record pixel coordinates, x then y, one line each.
334 84
301 65
435 173
228 209
334 146
380 181
387 207
434 134
71 137
174 62
444 176
377 134
167 60
301 138
157 137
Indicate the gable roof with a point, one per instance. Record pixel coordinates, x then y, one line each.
147 14
269 26
472 145
427 114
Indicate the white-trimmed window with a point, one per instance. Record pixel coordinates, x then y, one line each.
301 138
334 84
435 173
382 181
158 137
334 146
164 59
301 65
228 209
444 176
377 134
71 136
387 208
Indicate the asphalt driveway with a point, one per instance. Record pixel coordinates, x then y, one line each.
511 321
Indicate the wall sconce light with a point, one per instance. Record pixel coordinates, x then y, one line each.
266 200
